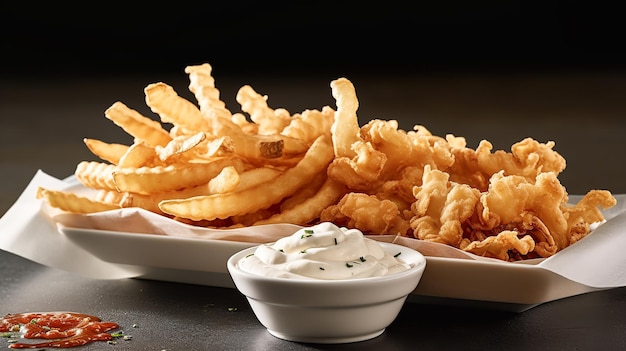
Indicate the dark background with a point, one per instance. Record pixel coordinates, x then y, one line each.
320 37
486 70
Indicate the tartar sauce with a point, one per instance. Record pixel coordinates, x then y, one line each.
323 251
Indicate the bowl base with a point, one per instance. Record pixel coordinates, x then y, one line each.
329 340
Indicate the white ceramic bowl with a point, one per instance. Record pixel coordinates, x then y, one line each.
328 311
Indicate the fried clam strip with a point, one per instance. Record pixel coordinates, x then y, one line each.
499 245
441 207
311 208
449 213
383 151
110 152
538 208
400 190
146 180
509 198
202 85
527 158
172 108
73 203
361 172
533 239
258 197
586 211
368 213
404 149
357 163
137 125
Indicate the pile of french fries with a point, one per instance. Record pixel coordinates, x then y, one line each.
212 167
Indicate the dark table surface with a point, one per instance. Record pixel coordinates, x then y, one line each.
45 121
171 316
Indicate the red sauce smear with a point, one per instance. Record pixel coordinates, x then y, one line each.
64 329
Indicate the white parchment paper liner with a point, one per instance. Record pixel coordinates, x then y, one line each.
29 229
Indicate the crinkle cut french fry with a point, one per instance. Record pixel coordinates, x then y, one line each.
115 198
307 211
310 124
250 146
226 181
148 180
139 155
345 129
180 145
137 125
73 203
262 196
307 191
256 176
164 101
269 121
96 175
151 201
202 85
110 152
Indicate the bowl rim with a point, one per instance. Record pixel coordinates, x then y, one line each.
416 267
